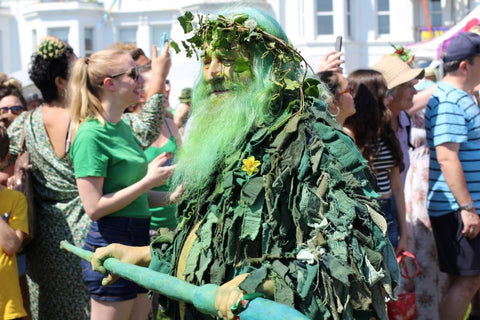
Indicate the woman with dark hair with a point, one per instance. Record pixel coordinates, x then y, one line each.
12 103
371 129
56 283
60 215
341 104
11 99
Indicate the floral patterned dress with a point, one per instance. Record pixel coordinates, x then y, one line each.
429 284
56 286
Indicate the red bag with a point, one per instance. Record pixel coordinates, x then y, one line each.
404 308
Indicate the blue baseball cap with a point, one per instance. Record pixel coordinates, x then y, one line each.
464 45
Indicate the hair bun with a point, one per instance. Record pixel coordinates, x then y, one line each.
51 48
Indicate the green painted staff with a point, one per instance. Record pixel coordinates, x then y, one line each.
203 297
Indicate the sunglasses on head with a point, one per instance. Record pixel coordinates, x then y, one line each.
131 73
14 109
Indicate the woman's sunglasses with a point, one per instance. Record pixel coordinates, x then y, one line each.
14 109
348 90
132 73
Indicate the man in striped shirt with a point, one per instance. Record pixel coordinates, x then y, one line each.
452 122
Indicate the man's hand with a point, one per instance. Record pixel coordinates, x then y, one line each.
162 62
227 295
160 68
177 194
471 224
139 256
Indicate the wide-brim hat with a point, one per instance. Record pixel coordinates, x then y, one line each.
396 72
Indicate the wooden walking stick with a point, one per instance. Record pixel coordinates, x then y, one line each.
203 297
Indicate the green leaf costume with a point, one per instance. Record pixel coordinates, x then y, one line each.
308 220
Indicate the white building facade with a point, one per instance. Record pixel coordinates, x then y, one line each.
368 27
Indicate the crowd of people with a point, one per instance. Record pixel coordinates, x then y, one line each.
302 190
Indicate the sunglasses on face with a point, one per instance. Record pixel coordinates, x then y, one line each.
348 90
131 73
13 109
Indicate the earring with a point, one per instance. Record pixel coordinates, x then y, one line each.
334 115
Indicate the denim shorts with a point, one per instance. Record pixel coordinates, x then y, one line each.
22 263
124 230
390 210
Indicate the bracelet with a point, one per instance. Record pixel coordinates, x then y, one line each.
242 304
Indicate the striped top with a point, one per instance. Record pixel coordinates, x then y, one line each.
452 116
383 163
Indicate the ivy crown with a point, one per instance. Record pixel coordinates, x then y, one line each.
289 68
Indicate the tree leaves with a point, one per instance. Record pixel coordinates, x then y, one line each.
186 22
242 65
310 87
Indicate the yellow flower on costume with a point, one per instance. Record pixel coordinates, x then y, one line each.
250 165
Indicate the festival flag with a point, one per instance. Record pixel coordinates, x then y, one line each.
106 15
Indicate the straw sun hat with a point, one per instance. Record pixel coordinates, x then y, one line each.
396 72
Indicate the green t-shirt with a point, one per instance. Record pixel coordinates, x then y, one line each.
163 217
111 151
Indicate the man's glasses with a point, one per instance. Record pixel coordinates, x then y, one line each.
14 109
145 68
132 73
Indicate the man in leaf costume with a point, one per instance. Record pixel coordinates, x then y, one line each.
278 199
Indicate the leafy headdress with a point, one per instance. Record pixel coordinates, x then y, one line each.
258 34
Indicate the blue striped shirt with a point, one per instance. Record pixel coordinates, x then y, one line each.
452 116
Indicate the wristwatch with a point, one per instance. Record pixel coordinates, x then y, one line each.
469 206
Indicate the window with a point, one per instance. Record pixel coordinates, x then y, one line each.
324 17
157 35
349 18
1 48
60 33
34 39
435 10
88 36
383 11
128 35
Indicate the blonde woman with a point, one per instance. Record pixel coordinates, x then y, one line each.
112 172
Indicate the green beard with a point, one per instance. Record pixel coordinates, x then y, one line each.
219 126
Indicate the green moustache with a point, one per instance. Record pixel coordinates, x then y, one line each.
223 85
